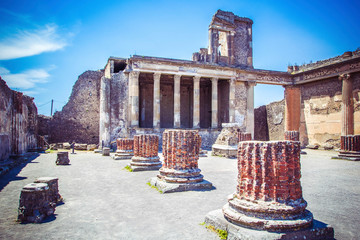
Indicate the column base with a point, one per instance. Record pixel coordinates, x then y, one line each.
121 154
166 187
145 164
348 155
224 150
317 231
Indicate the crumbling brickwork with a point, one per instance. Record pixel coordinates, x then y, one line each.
79 119
18 128
268 195
146 149
292 135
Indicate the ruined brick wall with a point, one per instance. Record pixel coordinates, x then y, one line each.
18 117
321 111
79 119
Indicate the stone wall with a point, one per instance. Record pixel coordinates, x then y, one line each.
18 128
321 111
79 119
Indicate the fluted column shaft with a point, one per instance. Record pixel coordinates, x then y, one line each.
134 98
347 120
177 79
156 120
196 114
214 102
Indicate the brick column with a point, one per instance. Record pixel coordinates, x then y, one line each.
196 114
180 170
156 121
124 148
134 98
232 100
292 135
145 157
250 107
292 108
244 136
347 120
268 195
214 102
177 79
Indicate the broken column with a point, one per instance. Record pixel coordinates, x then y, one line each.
244 136
145 157
62 158
35 203
226 143
125 148
52 182
268 196
292 135
180 170
350 143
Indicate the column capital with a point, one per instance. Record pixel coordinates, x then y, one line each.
157 75
177 76
251 83
196 78
344 76
135 74
214 79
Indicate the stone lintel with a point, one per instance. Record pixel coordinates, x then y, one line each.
317 231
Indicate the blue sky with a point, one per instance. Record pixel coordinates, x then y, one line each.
46 45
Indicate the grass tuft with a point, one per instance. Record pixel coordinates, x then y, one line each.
149 184
221 233
128 168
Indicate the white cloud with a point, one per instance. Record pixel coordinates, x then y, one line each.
24 80
30 43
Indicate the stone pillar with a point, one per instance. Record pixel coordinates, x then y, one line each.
124 148
134 98
292 108
177 79
35 203
347 111
250 108
104 112
232 100
156 121
62 158
214 45
214 102
146 149
52 182
196 114
180 170
268 197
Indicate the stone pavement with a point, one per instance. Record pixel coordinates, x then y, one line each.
102 201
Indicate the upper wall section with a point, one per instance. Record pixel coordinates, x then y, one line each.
230 41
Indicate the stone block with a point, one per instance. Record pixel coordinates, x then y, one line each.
106 151
62 158
53 184
35 203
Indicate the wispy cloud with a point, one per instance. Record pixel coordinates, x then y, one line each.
25 80
26 43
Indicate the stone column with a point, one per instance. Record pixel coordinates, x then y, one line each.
177 79
180 170
292 108
347 119
124 148
232 100
156 121
134 98
214 102
196 114
250 107
146 147
268 196
104 112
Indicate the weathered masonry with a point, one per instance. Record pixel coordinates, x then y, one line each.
148 94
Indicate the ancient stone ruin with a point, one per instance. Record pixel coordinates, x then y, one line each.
35 203
226 143
53 184
268 196
146 149
125 148
180 170
62 158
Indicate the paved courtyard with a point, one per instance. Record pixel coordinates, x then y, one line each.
103 201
